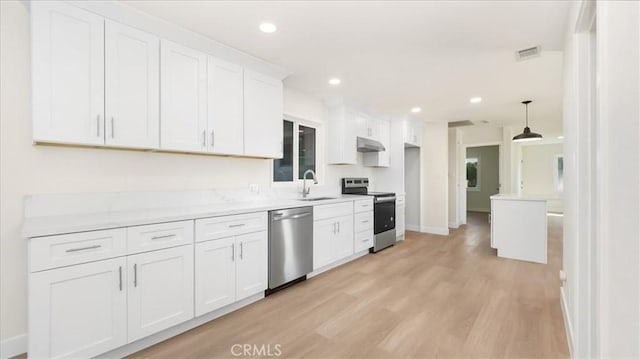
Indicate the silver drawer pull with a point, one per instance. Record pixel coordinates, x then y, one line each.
83 248
236 225
163 237
367 221
365 240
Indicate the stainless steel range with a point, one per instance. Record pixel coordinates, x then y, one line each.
384 211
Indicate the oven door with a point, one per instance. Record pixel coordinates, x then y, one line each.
384 214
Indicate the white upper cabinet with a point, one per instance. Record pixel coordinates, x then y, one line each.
263 109
225 110
383 134
68 74
132 76
412 133
342 127
183 81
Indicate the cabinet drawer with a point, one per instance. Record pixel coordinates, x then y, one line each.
157 236
332 210
363 241
399 201
364 221
67 249
363 205
227 226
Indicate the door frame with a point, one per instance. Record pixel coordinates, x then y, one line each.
462 177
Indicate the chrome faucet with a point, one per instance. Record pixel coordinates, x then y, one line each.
305 189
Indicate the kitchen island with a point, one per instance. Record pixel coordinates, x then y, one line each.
519 227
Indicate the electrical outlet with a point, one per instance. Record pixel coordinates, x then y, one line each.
254 188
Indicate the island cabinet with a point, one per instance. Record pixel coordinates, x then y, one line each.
231 259
89 294
333 233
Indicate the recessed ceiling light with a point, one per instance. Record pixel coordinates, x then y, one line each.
475 100
416 109
334 81
268 27
560 137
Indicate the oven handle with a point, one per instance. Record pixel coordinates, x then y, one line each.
385 199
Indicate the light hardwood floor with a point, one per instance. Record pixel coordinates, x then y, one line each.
429 296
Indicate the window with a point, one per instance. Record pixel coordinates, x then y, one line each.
473 174
299 142
559 172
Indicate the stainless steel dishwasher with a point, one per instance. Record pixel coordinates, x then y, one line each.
290 246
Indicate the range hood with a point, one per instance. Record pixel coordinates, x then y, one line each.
369 145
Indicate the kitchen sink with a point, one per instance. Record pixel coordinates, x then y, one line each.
316 198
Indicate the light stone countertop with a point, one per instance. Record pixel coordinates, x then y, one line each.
71 223
523 197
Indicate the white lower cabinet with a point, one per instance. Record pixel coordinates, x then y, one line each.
400 217
230 269
160 291
78 311
332 240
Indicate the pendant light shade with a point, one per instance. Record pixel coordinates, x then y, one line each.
527 135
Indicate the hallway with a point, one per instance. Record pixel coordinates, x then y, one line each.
437 296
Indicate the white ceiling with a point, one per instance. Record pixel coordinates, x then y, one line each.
394 55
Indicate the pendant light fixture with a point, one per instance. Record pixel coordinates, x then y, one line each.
527 135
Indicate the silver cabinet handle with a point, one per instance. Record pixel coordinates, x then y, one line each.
365 240
98 125
113 131
367 221
120 278
338 227
237 225
212 138
233 252
204 138
241 250
135 275
163 237
83 248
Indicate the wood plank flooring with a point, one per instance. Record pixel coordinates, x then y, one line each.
429 296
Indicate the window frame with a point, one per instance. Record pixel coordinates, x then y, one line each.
477 188
559 187
319 151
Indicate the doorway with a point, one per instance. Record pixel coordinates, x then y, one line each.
412 188
482 165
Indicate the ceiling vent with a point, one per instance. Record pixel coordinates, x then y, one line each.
460 123
528 53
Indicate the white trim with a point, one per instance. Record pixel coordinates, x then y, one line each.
154 339
462 176
13 346
454 225
411 227
568 327
338 263
443 231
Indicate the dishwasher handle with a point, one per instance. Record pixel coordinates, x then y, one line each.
280 217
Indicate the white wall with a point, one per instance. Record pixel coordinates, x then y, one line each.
454 146
481 134
28 169
434 182
539 173
601 260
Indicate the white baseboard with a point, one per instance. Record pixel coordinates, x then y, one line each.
454 225
443 231
13 346
411 227
179 329
338 263
568 327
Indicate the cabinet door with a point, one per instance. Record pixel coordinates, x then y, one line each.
68 74
262 116
132 62
160 293
343 240
362 125
251 264
78 311
225 111
183 98
323 233
215 274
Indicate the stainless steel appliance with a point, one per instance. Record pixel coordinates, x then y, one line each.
290 245
384 211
